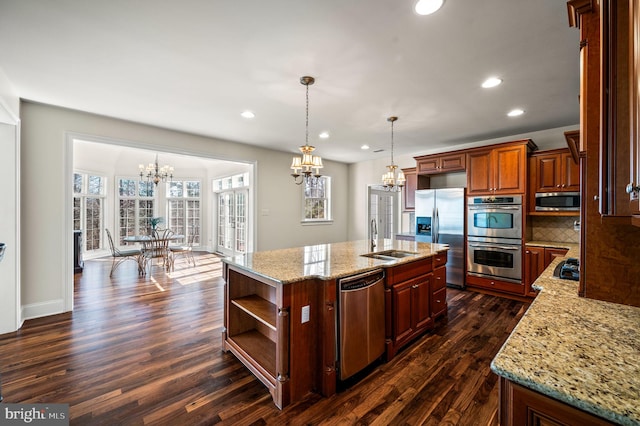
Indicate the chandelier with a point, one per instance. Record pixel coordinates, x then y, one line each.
308 164
390 181
156 173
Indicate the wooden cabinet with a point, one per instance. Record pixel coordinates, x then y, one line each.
439 287
496 285
501 169
554 171
633 189
413 182
536 260
408 295
441 163
520 406
533 267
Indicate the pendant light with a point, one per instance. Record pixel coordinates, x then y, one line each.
308 164
390 181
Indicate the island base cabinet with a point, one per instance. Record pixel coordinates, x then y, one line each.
520 406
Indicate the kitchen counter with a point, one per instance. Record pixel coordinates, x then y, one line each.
583 352
328 261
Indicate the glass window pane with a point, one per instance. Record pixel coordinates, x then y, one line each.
127 188
175 189
95 185
193 189
77 183
146 188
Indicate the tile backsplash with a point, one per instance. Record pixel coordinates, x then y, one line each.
554 228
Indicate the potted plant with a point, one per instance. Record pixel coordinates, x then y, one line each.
154 222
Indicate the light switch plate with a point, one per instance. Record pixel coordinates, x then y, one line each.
305 313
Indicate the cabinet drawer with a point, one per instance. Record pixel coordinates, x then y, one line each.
496 285
439 303
439 279
409 270
439 259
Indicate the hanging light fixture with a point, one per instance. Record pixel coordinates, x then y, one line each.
156 173
390 181
308 164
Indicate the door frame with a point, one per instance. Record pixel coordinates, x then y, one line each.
396 211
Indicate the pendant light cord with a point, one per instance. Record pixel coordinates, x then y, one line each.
307 120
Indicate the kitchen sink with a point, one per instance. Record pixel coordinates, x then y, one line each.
390 254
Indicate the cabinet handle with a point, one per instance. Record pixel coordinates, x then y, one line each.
438 301
414 286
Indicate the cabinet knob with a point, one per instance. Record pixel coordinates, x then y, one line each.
558 186
493 283
414 286
631 188
438 301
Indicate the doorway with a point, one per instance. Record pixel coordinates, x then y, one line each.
383 206
232 222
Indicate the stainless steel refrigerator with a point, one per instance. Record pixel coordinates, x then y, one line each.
440 219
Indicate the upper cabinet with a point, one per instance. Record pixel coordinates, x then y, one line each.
412 183
441 163
500 169
554 171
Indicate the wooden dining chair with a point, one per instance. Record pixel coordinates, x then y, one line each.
158 248
186 250
120 256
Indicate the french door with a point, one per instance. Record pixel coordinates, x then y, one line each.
232 222
382 208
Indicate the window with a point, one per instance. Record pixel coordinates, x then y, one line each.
135 207
183 205
88 208
317 199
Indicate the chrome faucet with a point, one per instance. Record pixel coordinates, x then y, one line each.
374 233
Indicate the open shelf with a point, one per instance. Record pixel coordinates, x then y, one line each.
259 347
260 309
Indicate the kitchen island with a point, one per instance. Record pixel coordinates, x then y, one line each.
570 360
281 310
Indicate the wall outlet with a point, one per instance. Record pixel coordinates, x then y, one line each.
305 313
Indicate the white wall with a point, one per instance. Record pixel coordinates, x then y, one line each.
369 172
10 315
46 217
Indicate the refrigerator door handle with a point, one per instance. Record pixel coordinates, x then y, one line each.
437 220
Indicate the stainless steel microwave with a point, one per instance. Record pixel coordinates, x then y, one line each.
557 201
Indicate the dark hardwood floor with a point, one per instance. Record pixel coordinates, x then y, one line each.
147 350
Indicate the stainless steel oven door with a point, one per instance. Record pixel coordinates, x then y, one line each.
493 257
496 221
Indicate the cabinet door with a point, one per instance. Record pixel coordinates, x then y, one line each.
420 304
547 169
428 165
533 267
453 162
509 170
552 253
402 324
570 178
479 173
409 189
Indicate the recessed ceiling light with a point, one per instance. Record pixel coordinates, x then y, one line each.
324 135
515 112
427 7
247 114
491 82
364 147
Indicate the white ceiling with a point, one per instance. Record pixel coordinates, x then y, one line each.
195 65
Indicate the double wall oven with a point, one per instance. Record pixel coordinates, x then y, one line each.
494 237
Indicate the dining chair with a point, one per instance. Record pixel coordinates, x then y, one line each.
158 248
185 250
120 256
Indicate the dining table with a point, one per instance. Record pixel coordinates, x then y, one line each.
148 242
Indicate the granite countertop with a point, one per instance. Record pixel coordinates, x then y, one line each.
580 351
328 261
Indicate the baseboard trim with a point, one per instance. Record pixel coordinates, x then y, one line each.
42 309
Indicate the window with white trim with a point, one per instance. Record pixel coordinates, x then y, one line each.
135 207
317 199
89 197
183 208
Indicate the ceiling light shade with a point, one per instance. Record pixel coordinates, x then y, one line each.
247 114
491 82
308 164
515 112
427 7
390 181
324 135
155 173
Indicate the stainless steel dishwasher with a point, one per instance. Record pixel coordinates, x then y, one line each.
360 321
